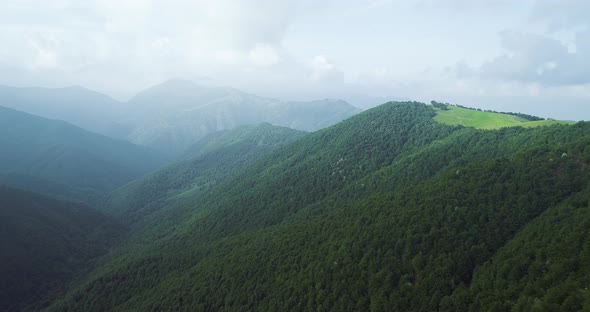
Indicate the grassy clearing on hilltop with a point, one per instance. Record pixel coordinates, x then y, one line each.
487 120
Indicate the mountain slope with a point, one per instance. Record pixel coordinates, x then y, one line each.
213 159
546 266
386 210
383 125
60 152
44 242
404 251
263 134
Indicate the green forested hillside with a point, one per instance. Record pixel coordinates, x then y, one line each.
388 210
60 152
213 159
263 135
545 267
44 242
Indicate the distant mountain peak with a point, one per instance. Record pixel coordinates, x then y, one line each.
173 85
179 82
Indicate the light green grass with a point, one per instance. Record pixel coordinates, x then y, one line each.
486 120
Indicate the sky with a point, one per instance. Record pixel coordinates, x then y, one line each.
530 56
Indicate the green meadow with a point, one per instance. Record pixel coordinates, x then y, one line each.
487 120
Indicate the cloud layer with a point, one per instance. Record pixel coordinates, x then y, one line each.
419 49
532 58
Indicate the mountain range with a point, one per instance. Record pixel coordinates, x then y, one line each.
173 115
402 207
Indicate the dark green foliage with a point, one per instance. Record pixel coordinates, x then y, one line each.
216 157
388 210
53 188
262 135
307 171
546 267
43 243
441 106
60 152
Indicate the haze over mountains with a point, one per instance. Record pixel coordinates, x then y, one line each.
82 107
173 115
71 160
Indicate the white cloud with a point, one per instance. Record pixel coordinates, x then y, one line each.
303 48
124 15
43 54
562 14
228 57
129 44
264 55
322 70
532 58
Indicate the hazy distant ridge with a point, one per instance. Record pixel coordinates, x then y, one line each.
175 114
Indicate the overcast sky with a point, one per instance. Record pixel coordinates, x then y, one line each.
531 56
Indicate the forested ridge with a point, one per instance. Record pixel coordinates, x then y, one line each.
210 161
388 210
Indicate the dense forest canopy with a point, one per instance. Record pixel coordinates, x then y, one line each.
388 210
